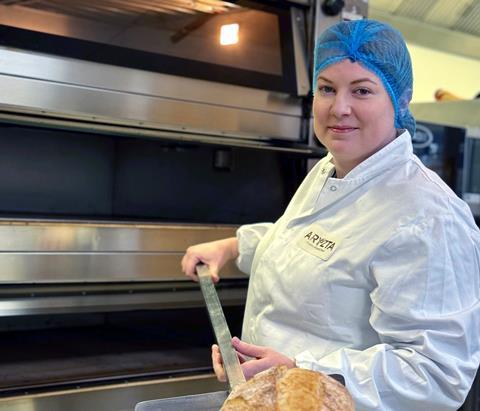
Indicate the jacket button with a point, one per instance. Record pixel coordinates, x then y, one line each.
333 188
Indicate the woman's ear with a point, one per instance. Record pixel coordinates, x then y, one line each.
404 101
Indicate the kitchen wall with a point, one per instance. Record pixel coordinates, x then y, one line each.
434 69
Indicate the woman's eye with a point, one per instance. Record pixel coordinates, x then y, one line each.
363 91
326 89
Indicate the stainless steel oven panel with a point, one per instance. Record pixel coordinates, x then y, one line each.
63 85
55 252
119 397
77 73
40 237
28 267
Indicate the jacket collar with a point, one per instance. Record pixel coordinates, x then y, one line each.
396 152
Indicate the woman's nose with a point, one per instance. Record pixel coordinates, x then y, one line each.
341 106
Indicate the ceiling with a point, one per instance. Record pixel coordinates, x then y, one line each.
448 25
458 15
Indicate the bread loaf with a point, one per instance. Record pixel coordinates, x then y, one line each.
283 389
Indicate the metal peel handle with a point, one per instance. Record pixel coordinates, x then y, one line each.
222 333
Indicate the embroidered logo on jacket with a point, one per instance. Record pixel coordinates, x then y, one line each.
315 241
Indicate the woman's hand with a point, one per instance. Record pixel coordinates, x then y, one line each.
253 358
214 254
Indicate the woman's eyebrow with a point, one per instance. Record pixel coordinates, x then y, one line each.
361 80
324 79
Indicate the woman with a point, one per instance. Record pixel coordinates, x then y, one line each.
373 270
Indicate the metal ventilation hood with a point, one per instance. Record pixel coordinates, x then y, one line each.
463 113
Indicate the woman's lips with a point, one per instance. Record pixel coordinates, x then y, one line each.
342 129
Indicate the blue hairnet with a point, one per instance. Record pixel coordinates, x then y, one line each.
379 48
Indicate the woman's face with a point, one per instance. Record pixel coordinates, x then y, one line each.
353 114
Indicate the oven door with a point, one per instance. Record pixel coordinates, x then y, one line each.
242 43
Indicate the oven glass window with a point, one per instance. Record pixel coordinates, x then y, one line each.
206 39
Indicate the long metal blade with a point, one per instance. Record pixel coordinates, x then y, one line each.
222 333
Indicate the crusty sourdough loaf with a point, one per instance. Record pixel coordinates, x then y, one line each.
258 393
283 389
300 390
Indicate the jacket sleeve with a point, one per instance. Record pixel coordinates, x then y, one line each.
248 238
426 312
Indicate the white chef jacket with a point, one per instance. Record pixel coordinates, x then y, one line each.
375 277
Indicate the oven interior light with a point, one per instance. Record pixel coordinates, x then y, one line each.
229 34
